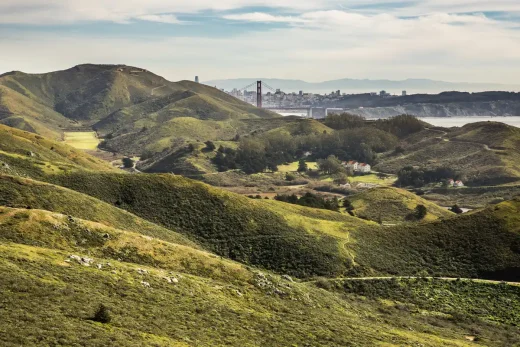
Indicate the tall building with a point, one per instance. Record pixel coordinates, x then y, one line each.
404 93
196 79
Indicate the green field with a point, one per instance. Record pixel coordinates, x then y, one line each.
293 167
373 179
82 139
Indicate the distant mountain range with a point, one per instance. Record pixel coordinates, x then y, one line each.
347 85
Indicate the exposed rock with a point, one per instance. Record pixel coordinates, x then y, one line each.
145 284
287 278
142 271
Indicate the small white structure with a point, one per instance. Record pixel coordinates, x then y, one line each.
458 184
364 168
353 165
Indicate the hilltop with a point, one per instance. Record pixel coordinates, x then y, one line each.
50 103
485 153
392 205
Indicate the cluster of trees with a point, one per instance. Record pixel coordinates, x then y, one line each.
400 126
419 177
311 200
353 138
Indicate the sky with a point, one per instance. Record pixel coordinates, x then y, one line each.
449 40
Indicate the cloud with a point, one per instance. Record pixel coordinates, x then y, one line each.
264 18
160 18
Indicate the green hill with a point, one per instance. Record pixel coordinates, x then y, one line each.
155 297
121 101
485 153
226 223
27 154
392 205
484 244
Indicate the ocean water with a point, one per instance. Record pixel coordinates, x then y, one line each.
461 121
448 122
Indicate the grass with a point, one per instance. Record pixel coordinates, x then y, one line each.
373 179
484 153
47 300
227 224
483 244
293 167
82 140
392 205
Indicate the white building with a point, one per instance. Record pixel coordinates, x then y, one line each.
364 168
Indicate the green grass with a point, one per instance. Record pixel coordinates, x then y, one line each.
48 301
484 153
24 193
82 140
228 224
392 205
373 179
293 167
483 244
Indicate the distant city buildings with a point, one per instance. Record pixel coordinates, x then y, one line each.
404 93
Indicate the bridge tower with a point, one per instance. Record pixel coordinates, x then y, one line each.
259 94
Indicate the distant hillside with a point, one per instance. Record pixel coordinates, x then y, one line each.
483 153
121 99
363 86
197 161
391 205
26 154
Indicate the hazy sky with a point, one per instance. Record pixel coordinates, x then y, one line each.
452 40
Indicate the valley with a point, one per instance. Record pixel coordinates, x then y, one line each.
139 211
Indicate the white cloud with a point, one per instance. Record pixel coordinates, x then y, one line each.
160 18
264 18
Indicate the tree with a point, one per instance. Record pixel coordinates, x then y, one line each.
456 209
128 163
210 146
302 166
331 165
420 212
102 315
341 178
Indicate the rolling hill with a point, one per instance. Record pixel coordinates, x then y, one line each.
485 153
180 263
392 205
121 99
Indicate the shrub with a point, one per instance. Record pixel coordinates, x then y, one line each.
102 315
128 163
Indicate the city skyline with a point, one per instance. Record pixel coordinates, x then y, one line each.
456 41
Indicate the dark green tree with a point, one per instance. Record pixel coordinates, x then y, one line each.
102 315
456 209
302 166
128 163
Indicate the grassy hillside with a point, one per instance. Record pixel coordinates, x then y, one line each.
49 298
392 205
22 112
485 153
29 194
228 224
172 138
484 244
27 154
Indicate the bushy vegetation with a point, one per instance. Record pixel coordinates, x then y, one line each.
311 200
419 177
228 224
484 244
